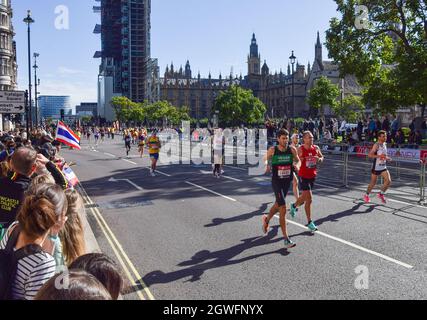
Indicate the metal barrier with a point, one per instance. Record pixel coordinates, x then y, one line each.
351 166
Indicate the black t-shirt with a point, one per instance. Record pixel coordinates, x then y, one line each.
11 197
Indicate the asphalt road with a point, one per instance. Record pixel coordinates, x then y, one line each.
187 235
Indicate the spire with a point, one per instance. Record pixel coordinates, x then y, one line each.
187 70
318 50
289 69
210 76
318 44
172 67
308 68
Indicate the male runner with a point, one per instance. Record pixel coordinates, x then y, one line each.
127 139
154 146
282 160
310 156
141 143
379 168
295 143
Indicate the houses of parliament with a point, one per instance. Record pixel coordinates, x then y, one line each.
283 94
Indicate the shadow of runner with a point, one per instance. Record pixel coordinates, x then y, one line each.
218 221
336 216
200 263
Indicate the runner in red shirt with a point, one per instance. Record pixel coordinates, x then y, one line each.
310 156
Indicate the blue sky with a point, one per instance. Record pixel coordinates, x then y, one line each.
213 34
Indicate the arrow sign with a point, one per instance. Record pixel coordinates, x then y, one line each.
12 101
128 181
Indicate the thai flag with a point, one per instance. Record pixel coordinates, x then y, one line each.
67 136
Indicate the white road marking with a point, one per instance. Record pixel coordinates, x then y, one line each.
128 181
109 154
353 245
231 178
129 161
211 191
237 168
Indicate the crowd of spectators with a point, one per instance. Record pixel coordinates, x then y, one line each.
41 230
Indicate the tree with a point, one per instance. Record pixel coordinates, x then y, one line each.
123 108
238 106
323 93
351 109
385 47
86 119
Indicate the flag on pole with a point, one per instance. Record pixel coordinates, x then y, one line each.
66 136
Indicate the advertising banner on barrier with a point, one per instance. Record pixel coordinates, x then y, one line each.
404 155
423 155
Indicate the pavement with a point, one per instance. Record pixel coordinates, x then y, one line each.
187 235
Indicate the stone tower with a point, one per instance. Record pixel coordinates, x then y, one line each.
254 58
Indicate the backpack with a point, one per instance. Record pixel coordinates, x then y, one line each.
9 262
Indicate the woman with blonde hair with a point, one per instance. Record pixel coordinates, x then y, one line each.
72 234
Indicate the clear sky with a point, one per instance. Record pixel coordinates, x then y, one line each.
213 34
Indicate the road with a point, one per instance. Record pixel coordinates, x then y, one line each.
187 235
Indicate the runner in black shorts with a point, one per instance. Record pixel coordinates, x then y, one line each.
281 161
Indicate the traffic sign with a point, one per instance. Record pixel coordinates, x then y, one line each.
12 101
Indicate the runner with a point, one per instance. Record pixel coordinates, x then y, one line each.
218 142
310 156
88 134
127 139
295 143
154 146
102 134
96 136
379 168
282 160
141 143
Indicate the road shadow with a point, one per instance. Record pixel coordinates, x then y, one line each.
247 216
205 260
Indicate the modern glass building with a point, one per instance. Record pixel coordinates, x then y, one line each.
50 106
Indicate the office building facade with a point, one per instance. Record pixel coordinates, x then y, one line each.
50 106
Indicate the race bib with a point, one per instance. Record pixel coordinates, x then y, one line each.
311 163
283 172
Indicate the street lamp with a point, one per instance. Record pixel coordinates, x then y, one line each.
28 20
36 83
292 58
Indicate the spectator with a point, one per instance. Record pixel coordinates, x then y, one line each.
36 219
81 286
378 126
394 127
386 124
102 268
418 139
40 179
23 164
359 130
8 151
424 125
72 235
372 127
327 135
412 125
399 139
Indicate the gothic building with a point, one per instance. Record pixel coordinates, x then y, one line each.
283 94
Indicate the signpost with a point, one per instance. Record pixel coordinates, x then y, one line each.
12 102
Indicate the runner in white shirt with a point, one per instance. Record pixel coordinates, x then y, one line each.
379 168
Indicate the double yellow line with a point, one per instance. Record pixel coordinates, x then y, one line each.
135 279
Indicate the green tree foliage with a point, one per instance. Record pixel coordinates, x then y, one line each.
351 109
324 93
385 47
238 106
158 112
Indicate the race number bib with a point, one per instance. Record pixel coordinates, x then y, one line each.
311 163
284 172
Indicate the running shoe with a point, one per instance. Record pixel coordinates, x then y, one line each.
382 198
264 224
293 210
366 198
312 227
289 243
